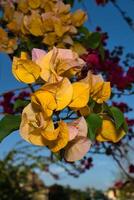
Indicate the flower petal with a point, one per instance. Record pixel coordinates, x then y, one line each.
62 92
36 138
108 132
37 54
80 95
34 4
25 70
45 101
27 114
79 48
76 149
78 17
49 133
34 24
44 63
100 91
73 131
104 94
81 126
29 125
62 139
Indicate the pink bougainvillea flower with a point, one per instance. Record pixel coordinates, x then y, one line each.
37 54
59 63
78 144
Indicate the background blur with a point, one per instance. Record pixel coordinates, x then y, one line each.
99 181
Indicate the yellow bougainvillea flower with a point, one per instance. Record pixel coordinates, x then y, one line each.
100 91
23 6
8 12
62 92
15 24
49 133
78 144
48 5
73 29
25 70
7 45
36 130
62 138
11 45
104 93
61 8
47 19
34 24
80 95
94 81
57 62
3 35
67 40
31 124
108 132
50 39
34 4
79 48
59 28
78 18
45 100
51 20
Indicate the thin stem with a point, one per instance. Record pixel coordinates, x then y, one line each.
31 88
119 164
131 25
122 168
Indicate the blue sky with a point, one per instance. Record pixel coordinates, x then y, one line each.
105 170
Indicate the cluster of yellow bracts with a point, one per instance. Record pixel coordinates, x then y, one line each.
56 70
49 19
8 45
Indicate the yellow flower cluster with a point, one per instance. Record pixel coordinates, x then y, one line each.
7 44
56 69
50 20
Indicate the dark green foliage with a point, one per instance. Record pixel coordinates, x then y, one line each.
8 124
94 122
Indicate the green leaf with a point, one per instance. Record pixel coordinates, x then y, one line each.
84 31
125 126
20 104
8 124
94 122
94 106
91 103
57 156
94 40
117 116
